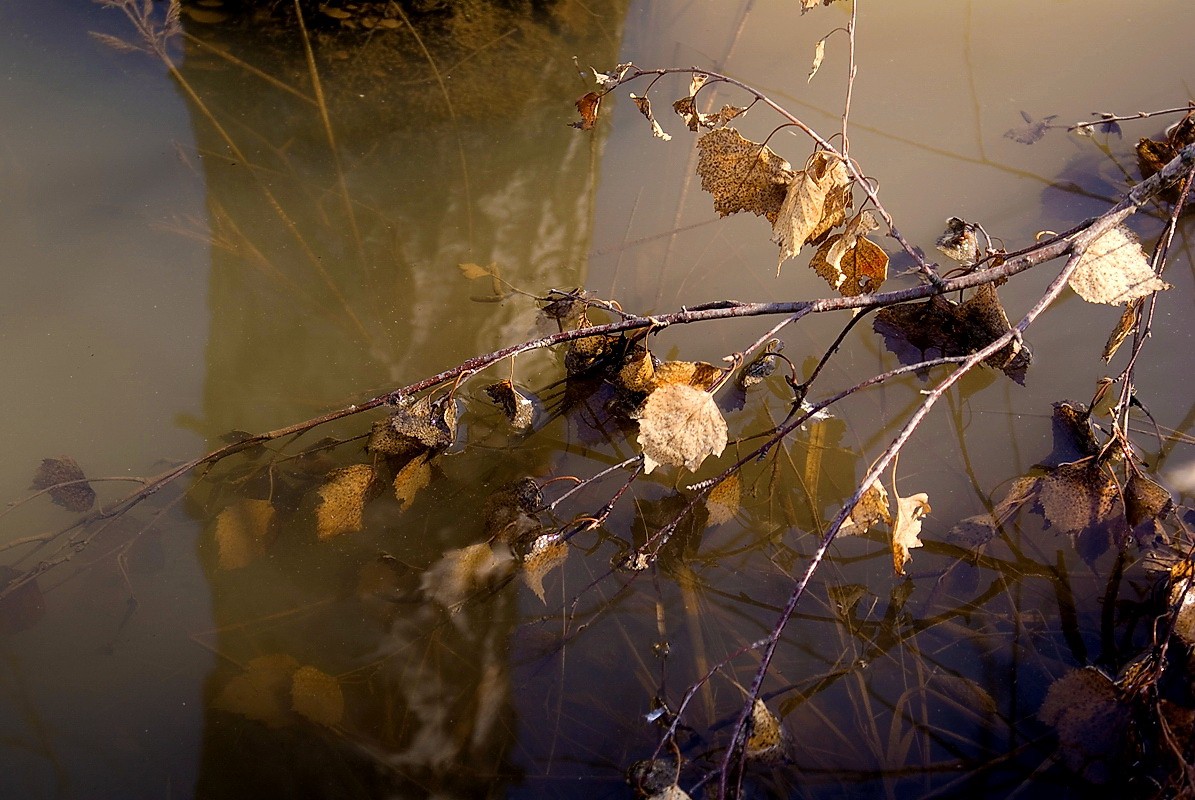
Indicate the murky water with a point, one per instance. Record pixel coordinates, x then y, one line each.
197 254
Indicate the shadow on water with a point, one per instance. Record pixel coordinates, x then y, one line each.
395 611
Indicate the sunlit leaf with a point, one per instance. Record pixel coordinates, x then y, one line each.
546 554
686 107
514 404
680 426
767 738
242 532
723 500
416 474
906 532
474 271
262 691
1115 270
850 262
742 175
672 792
804 203
426 423
317 696
819 52
1182 599
761 367
587 107
342 500
638 372
808 5
960 241
78 496
460 573
644 106
871 509
1123 326
1092 721
697 374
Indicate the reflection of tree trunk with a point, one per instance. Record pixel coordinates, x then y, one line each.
334 272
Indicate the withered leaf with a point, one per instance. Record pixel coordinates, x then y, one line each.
546 554
587 106
342 500
644 106
807 5
980 529
1092 720
509 512
1074 439
430 425
262 691
1145 499
1125 324
1182 597
767 739
686 107
742 175
804 203
459 573
680 426
850 262
474 271
242 532
317 696
761 367
871 509
960 241
819 52
723 501
906 533
1032 130
416 474
671 792
78 496
514 404
638 372
1115 270
1081 501
698 374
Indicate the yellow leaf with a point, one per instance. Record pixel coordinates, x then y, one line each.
680 425
416 475
851 263
1115 270
514 404
871 509
697 374
723 500
644 106
242 532
819 52
638 373
317 696
804 203
547 552
742 175
473 271
342 500
1125 324
906 533
262 691
767 739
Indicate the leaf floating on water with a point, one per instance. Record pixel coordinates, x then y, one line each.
427 424
263 691
514 404
644 106
1092 720
474 271
1115 270
767 739
1079 500
804 204
1032 130
723 500
317 696
243 532
698 374
850 262
587 106
415 475
1074 439
546 554
78 496
638 372
980 529
1145 499
509 512
906 533
1123 326
342 500
742 175
680 426
960 241
871 509
460 573
762 367
655 779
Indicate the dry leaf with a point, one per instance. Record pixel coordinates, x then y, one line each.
317 696
850 262
427 424
415 475
474 271
906 533
687 106
871 509
78 496
342 500
638 372
723 501
767 740
509 512
547 552
742 175
760 368
263 691
804 204
587 105
1115 270
807 5
819 52
1032 130
672 792
960 241
1082 500
1145 499
1092 720
680 425
514 404
1125 324
460 573
242 532
698 374
1182 597
644 106
980 529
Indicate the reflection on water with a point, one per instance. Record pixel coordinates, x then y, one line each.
402 623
